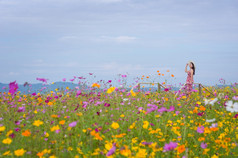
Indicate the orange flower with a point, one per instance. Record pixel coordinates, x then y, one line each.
167 70
40 154
147 76
181 148
172 75
50 103
158 71
214 129
62 122
202 108
163 82
96 85
159 74
54 116
27 133
162 74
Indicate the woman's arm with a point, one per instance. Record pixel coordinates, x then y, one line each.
186 68
192 75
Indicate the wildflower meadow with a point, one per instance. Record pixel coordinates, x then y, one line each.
104 120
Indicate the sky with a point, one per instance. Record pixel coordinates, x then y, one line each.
57 39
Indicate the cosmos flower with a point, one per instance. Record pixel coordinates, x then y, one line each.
73 124
13 87
115 125
231 107
112 150
200 129
203 145
170 146
19 152
210 101
211 120
42 79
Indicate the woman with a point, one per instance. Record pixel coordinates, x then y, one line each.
189 81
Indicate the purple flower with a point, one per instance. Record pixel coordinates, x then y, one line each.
200 129
235 98
170 146
112 150
42 79
177 112
162 109
13 87
236 115
203 145
64 79
73 124
34 94
166 89
200 113
21 109
171 108
146 143
106 104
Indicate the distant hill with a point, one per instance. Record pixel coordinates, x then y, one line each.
39 87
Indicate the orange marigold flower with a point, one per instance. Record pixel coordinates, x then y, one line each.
202 108
54 116
40 154
181 148
96 85
167 70
172 75
62 122
147 77
159 74
27 133
157 70
162 74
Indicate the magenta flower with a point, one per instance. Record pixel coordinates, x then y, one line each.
162 109
203 145
42 79
166 89
200 129
73 124
112 150
13 87
106 104
171 108
64 79
170 146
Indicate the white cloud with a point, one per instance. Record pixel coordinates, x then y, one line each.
118 39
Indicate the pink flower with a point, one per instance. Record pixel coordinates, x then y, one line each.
112 150
170 146
64 79
13 87
73 124
200 129
42 79
203 145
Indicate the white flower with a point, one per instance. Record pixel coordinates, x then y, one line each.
211 120
125 99
210 101
231 107
221 95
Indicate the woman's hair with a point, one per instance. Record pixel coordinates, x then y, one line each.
193 67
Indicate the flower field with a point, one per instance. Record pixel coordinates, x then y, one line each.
109 121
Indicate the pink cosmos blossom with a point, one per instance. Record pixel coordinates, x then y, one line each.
203 145
42 79
13 87
112 150
73 124
200 129
170 146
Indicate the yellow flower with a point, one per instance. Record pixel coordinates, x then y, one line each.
141 153
214 156
7 153
53 156
122 115
54 128
9 132
115 125
95 85
126 152
111 89
37 123
145 124
2 128
19 152
7 141
133 93
40 154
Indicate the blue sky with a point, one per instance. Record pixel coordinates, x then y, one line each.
58 39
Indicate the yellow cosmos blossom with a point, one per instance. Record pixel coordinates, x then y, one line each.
7 153
111 89
7 141
9 132
125 152
145 124
214 156
37 123
122 115
19 152
54 128
53 156
133 93
2 128
115 125
141 153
